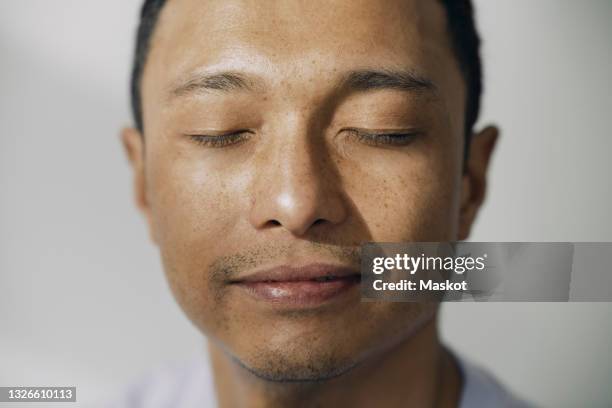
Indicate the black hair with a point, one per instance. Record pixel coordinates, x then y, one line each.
461 26
149 14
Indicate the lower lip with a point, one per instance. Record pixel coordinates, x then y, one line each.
300 293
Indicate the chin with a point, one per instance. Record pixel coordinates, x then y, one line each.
283 367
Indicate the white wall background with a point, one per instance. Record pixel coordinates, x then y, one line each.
82 295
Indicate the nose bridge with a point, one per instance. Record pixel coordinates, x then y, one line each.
295 186
298 148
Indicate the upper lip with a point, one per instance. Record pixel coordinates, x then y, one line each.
285 273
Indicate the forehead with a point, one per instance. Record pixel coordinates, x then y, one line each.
304 24
293 41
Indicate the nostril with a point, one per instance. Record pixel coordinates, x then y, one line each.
274 223
318 221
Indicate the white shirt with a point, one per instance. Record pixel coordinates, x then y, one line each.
190 386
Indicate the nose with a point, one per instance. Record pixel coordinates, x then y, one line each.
297 188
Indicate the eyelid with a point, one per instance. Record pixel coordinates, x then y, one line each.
215 133
409 131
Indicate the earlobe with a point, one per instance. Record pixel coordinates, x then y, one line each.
133 144
474 183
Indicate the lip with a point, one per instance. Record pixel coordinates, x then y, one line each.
302 287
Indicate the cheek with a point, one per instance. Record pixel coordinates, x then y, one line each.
190 205
407 198
191 208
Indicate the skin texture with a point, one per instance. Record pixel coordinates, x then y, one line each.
301 185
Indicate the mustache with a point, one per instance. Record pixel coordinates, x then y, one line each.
229 267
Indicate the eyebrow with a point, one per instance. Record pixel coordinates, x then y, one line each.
360 80
220 81
366 80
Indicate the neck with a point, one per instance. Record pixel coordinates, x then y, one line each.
416 372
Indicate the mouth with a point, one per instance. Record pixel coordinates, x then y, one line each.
305 286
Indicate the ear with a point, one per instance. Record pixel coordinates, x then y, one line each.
133 144
474 182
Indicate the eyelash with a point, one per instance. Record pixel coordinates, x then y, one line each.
384 139
221 140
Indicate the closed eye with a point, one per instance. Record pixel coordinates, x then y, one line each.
221 140
384 138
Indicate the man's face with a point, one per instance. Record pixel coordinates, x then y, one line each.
288 133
